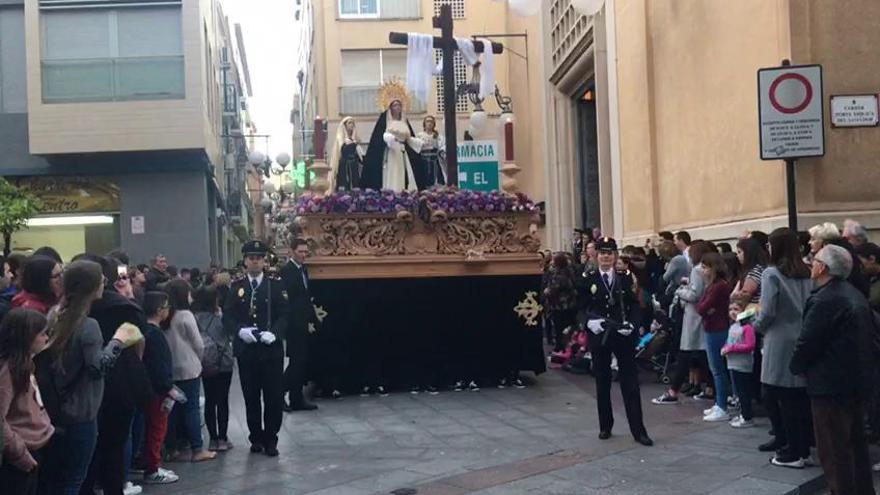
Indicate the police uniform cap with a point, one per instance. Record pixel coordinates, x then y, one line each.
256 247
606 244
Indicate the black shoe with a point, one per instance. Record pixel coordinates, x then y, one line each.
518 383
272 451
336 394
644 439
381 391
256 448
771 446
604 435
286 407
303 405
788 460
432 390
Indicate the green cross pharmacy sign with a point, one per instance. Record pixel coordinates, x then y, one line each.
478 165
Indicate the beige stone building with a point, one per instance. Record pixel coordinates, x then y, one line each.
652 119
345 56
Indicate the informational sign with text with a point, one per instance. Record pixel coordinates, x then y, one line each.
790 112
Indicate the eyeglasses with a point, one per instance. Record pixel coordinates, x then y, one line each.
56 275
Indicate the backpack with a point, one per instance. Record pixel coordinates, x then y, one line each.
216 357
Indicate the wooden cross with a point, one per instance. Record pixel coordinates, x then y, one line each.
446 43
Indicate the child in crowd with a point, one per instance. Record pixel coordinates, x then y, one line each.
26 425
157 360
740 360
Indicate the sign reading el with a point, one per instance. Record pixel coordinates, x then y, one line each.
478 165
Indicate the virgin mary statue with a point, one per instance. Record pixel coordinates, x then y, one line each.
393 160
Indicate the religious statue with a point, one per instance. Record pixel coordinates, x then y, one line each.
393 160
433 152
346 158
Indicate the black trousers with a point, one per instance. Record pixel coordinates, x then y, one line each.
217 404
789 411
562 319
295 374
262 384
742 385
108 463
14 480
841 445
628 375
684 363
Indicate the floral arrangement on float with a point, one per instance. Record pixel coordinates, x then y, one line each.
447 199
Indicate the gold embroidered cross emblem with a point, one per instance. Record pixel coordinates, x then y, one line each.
528 309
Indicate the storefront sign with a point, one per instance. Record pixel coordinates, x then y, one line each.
71 194
478 165
854 111
790 115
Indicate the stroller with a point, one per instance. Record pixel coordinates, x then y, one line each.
653 352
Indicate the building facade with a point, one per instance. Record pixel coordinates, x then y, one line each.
652 118
346 56
126 117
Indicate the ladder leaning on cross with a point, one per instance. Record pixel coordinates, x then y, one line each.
446 42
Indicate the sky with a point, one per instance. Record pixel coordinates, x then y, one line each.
269 31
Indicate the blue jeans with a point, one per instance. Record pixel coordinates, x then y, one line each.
71 455
192 414
714 342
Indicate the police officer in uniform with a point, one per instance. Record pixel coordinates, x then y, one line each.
611 310
254 313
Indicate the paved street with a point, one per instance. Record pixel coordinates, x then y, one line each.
538 440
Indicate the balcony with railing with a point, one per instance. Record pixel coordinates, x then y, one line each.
361 100
113 79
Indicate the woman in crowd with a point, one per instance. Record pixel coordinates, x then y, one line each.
785 287
126 387
713 308
71 375
753 262
821 235
186 355
560 295
40 284
217 365
691 359
26 425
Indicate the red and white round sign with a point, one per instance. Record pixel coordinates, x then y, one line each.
791 93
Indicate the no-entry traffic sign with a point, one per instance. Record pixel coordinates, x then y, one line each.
790 112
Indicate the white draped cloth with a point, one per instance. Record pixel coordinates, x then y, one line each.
397 172
420 67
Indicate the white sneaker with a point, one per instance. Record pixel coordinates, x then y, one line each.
707 412
131 489
161 477
717 414
739 422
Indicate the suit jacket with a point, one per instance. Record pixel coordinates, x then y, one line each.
617 305
268 313
300 309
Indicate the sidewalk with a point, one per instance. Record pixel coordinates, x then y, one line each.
539 440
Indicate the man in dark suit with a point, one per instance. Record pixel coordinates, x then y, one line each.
255 313
300 316
611 310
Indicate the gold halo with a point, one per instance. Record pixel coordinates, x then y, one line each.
393 89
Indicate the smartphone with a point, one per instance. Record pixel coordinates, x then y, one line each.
122 271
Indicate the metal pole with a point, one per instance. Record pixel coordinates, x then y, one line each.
790 181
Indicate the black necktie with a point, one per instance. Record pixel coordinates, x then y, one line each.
607 280
305 273
254 284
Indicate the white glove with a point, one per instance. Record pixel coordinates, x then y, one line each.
267 338
595 326
247 335
626 329
391 141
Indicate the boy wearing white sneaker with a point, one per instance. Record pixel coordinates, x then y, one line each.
740 359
